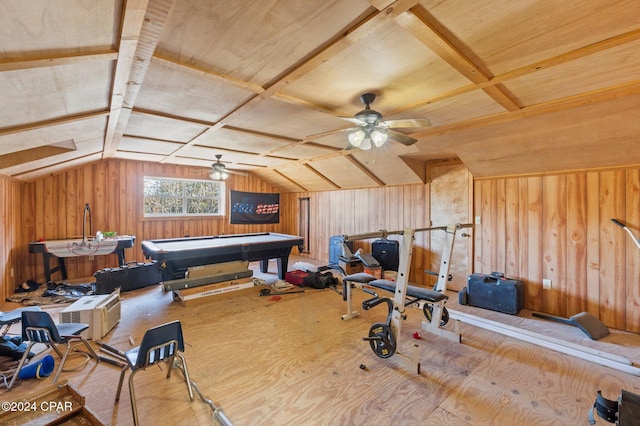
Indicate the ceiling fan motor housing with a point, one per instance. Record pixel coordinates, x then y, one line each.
368 115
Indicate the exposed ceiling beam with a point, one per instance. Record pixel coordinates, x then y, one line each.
54 122
419 23
321 176
56 60
141 28
32 154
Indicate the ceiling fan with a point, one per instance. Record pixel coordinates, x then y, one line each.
372 130
220 172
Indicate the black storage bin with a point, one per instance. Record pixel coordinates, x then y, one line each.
335 248
387 253
493 291
131 276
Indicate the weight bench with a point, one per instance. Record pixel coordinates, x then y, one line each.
414 295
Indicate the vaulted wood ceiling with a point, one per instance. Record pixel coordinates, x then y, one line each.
510 87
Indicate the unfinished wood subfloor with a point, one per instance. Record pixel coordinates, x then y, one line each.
294 361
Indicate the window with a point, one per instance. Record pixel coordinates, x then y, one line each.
164 197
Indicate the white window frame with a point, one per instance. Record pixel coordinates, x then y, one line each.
184 198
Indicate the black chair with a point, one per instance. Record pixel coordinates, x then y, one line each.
7 319
159 344
38 327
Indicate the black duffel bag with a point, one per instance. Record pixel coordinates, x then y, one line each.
319 280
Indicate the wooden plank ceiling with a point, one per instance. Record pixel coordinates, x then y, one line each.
510 86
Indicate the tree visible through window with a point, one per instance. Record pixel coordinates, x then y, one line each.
182 197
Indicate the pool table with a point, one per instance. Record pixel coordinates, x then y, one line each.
178 254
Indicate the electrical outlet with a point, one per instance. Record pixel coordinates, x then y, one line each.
546 284
478 220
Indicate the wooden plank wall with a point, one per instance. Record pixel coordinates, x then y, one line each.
554 226
9 230
52 209
393 208
365 210
559 227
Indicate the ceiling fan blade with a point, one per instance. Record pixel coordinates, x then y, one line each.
330 132
401 138
236 172
407 122
353 120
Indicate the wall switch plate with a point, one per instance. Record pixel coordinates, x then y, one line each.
478 220
546 284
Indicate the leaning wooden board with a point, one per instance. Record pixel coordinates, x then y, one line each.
221 291
57 405
186 283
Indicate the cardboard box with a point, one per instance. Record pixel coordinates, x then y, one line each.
351 266
227 289
205 290
376 272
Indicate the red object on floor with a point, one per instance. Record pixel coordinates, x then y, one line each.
416 335
295 277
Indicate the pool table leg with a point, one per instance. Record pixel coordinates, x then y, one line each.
283 264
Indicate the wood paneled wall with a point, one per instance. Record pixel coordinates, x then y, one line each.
555 227
11 212
52 208
393 208
559 227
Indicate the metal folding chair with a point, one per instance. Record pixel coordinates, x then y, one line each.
159 344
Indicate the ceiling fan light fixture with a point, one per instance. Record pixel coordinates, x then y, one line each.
218 175
366 144
379 137
356 137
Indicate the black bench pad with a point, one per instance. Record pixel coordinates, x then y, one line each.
412 291
360 277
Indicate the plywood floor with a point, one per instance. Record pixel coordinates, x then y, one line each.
295 362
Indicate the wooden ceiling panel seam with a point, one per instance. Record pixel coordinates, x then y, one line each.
364 170
321 176
246 85
573 55
290 180
537 109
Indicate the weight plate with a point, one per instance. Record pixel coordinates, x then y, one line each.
381 339
427 309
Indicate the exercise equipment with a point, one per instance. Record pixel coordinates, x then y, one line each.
383 337
623 226
586 322
382 341
38 369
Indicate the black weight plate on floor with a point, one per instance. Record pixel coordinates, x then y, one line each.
381 339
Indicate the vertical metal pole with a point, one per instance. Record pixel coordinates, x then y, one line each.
406 252
445 261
